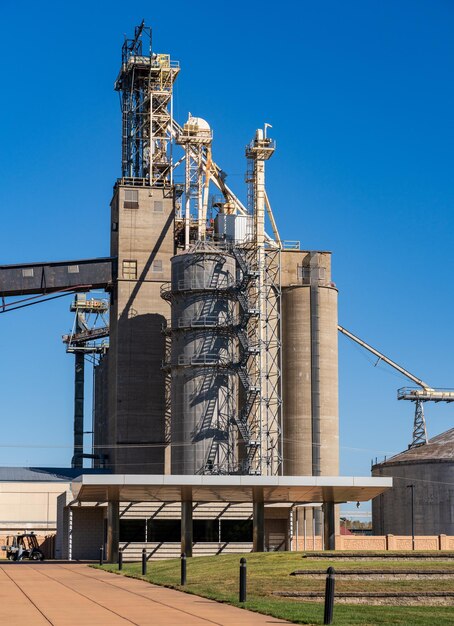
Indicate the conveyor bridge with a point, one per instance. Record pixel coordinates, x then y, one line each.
44 278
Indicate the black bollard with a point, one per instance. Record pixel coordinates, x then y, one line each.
243 580
120 559
329 596
101 555
183 569
144 562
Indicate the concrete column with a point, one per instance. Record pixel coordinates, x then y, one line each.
113 527
70 533
186 521
258 520
329 523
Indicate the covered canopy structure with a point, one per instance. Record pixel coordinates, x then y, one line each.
258 490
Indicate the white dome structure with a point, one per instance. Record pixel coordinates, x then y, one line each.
197 130
198 122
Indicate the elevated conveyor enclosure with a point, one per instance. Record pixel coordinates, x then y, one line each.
45 278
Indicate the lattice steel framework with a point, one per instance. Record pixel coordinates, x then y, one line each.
145 83
419 426
88 339
196 138
248 417
260 290
272 367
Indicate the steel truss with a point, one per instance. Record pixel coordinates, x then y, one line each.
196 137
419 426
271 399
145 83
260 289
90 325
258 293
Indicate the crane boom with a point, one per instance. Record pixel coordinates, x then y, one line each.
384 358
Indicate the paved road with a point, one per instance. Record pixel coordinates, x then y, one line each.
69 594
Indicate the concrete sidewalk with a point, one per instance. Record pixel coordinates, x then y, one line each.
70 594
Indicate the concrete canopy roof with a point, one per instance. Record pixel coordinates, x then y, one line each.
276 489
44 474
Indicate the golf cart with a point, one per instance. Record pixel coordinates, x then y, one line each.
21 547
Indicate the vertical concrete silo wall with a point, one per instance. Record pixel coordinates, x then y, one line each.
203 349
310 366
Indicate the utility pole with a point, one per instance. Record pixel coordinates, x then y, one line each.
412 487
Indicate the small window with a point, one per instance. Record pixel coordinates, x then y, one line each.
73 269
158 206
115 226
156 266
311 275
130 269
300 273
27 272
131 199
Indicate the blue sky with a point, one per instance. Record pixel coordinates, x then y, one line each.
360 95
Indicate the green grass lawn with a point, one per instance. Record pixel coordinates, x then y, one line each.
216 577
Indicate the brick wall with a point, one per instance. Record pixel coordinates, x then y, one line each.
394 542
308 545
378 542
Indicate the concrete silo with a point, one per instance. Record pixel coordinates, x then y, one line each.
309 365
309 372
426 473
203 349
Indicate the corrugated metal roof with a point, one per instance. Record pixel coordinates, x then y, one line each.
439 448
44 474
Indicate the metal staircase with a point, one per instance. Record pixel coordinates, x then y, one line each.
247 272
246 368
211 457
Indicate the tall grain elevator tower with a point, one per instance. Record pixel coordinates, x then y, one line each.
223 340
131 415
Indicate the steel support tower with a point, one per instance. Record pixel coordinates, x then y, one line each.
145 83
264 324
89 327
196 137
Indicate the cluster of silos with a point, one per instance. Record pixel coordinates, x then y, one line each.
206 395
422 497
203 350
